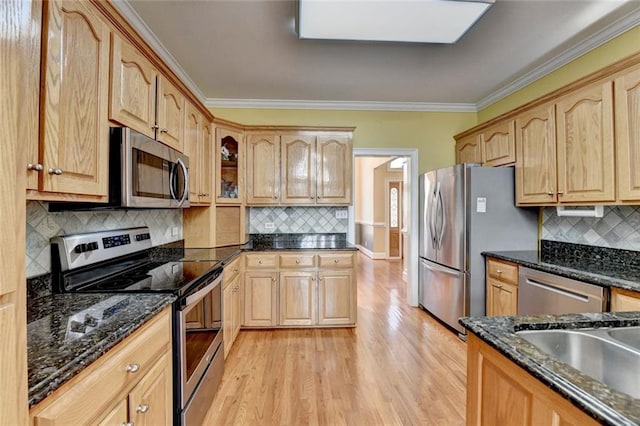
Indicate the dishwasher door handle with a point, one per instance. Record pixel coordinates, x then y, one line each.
560 291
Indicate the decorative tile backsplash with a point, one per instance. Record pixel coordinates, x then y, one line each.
43 225
618 228
296 220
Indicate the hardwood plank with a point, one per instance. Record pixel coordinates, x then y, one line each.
398 366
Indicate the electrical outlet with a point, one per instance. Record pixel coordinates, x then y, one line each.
174 231
269 225
341 214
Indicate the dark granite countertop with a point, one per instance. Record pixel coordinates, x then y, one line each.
268 242
596 265
603 403
56 353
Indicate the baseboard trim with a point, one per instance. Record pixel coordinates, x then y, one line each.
371 254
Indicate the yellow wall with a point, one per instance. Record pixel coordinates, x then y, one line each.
430 132
620 47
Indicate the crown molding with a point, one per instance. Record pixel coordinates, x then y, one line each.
597 39
339 105
128 12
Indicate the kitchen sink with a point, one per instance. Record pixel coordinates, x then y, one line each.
609 355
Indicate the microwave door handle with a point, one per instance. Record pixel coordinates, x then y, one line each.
172 178
185 192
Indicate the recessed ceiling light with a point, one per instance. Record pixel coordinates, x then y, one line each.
413 21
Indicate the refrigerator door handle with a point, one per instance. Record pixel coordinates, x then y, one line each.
433 267
432 218
444 218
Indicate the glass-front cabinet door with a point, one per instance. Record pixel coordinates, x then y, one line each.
229 161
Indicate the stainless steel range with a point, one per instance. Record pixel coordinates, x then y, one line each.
119 261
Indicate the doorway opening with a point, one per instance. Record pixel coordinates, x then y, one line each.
385 206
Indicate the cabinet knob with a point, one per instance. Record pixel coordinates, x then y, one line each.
260 261
297 261
235 270
142 408
499 286
155 127
163 130
498 271
273 280
560 192
551 193
336 261
132 368
37 167
55 171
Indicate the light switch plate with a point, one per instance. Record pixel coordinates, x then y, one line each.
269 225
341 214
174 231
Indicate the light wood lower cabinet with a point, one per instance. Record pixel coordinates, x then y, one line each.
501 288
300 289
624 300
130 384
231 304
260 298
501 393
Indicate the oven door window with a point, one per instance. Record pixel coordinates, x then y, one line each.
150 175
202 328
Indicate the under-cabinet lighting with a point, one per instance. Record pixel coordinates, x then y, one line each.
414 21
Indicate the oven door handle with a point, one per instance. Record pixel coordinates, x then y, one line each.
198 295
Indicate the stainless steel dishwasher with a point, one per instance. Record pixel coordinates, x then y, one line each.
543 293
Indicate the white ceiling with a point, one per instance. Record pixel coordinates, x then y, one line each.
240 50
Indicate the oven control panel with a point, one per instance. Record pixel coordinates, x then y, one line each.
74 251
117 240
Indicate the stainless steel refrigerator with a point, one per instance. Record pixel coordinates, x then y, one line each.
465 210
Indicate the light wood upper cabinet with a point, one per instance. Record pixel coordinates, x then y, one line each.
298 160
133 88
75 129
170 115
627 110
297 298
536 152
468 150
263 169
334 178
585 145
498 144
197 146
229 158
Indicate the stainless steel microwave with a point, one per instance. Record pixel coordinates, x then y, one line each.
143 173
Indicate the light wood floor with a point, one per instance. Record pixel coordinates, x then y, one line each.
399 366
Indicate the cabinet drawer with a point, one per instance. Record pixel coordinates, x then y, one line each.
261 261
86 399
231 270
336 260
506 272
297 261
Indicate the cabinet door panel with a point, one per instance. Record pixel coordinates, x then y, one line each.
237 306
502 298
171 115
498 145
206 162
468 150
334 170
227 318
536 153
298 158
503 400
585 145
133 88
150 401
336 298
260 299
75 99
192 141
263 169
627 98
229 173
297 298
116 417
